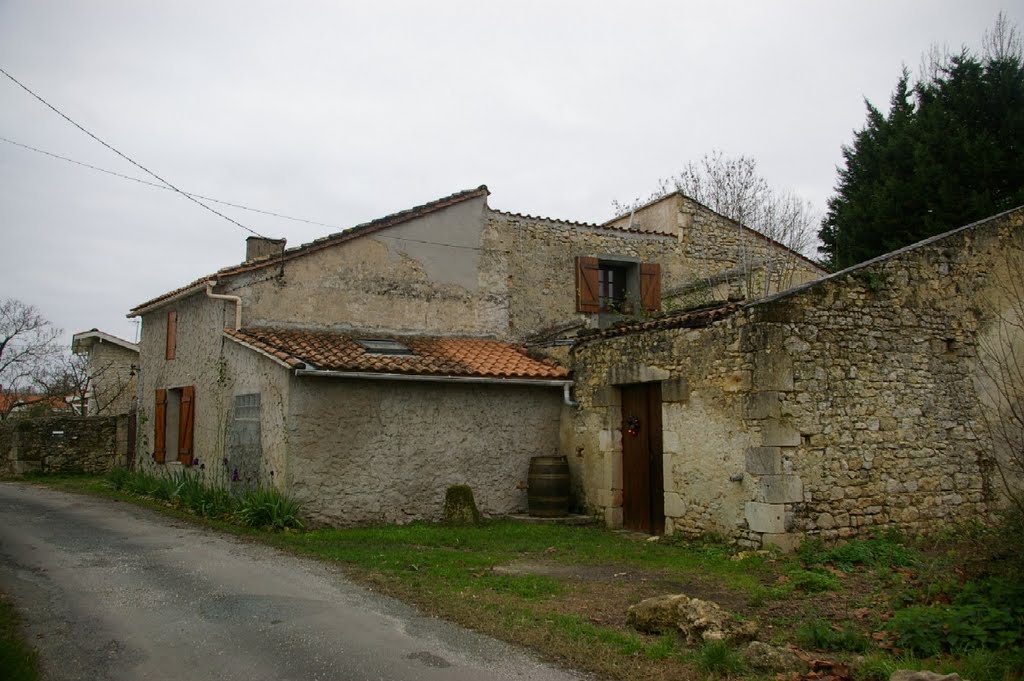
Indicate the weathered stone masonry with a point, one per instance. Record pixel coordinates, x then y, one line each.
845 406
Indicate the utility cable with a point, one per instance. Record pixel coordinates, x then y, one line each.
160 186
226 203
134 163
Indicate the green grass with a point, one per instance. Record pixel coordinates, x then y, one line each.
18 660
472 575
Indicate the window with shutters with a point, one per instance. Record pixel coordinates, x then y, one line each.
172 334
173 425
617 287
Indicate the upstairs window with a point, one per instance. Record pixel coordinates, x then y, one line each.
605 285
172 335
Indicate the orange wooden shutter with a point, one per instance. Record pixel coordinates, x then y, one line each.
650 286
587 297
160 426
172 334
185 421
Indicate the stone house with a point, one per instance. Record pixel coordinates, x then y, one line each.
879 396
111 364
367 371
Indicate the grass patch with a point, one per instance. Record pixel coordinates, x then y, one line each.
565 590
18 660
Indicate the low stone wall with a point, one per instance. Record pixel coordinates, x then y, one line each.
62 444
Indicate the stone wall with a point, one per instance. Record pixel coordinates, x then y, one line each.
845 406
724 258
365 452
62 444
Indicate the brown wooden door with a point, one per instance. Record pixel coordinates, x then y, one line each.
643 489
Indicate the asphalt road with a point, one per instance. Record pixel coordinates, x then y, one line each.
111 591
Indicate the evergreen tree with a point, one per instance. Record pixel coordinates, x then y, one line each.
949 152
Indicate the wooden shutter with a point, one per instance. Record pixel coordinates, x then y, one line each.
185 421
650 286
172 334
588 298
160 426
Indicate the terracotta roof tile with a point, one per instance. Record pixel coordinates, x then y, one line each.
590 225
429 356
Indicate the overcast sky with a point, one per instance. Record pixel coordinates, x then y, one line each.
341 112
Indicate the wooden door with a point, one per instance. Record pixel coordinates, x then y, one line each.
643 489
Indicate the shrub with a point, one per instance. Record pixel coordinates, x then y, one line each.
718 657
882 550
818 634
268 507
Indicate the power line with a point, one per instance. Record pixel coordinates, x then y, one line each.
226 203
160 186
134 163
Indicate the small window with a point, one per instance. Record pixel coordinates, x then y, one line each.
617 286
383 346
172 334
611 287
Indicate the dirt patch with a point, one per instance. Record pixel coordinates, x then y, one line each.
604 592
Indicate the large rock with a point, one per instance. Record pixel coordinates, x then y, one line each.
764 657
915 675
698 621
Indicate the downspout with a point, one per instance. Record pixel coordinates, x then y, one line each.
237 300
567 396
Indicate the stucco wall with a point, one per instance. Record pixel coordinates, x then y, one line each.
386 451
846 406
433 274
198 362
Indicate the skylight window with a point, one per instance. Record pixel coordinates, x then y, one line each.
383 346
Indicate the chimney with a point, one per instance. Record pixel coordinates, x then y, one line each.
258 247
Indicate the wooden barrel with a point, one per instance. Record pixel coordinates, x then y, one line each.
548 486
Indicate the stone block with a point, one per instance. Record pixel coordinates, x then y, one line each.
674 505
778 433
606 396
613 472
787 542
636 373
670 441
762 405
613 518
609 440
769 518
781 489
764 460
675 390
773 370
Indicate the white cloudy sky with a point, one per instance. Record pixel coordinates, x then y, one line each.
340 112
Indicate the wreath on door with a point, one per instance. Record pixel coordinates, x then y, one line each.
633 426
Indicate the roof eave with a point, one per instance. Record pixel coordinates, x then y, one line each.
434 378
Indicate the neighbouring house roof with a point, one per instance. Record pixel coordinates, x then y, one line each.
10 401
745 228
316 245
586 225
429 356
83 340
